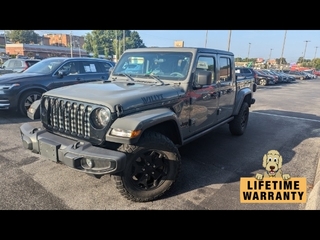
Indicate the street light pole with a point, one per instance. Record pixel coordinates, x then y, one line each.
315 54
270 55
249 51
229 41
284 42
305 48
71 50
205 43
124 40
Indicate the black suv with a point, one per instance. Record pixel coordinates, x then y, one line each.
19 90
246 72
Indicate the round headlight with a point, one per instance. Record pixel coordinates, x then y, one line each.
100 117
46 103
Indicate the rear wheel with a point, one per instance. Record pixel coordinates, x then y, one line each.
153 165
26 100
239 124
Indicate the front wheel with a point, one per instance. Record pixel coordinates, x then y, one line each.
263 82
239 124
26 100
153 165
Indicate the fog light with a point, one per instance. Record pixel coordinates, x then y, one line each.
89 163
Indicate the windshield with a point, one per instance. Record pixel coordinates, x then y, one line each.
164 65
46 66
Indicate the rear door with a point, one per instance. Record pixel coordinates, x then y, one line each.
227 87
95 70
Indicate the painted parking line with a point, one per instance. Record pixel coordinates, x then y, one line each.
297 118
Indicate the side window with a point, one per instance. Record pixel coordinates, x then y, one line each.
11 64
225 69
104 66
89 67
17 64
207 64
70 68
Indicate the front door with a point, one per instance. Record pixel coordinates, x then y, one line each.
204 100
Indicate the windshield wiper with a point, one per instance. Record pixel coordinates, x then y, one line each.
126 75
155 77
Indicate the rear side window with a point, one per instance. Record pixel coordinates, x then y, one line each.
30 63
89 67
105 66
17 64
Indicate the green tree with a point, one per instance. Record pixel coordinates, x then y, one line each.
316 63
284 61
110 42
22 36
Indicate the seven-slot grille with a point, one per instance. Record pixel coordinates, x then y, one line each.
69 117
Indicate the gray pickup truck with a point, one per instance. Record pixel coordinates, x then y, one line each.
132 125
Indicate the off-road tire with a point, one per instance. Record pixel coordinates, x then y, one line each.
26 99
153 166
239 124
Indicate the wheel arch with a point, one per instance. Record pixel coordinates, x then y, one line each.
161 120
33 88
244 95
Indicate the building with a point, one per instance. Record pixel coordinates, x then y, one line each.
49 45
64 40
43 51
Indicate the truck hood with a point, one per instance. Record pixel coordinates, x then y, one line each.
129 95
16 77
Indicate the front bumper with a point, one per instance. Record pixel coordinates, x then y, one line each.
79 155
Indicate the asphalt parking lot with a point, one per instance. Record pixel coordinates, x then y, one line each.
285 117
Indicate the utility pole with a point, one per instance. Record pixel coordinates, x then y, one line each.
116 45
305 48
71 50
270 54
249 51
79 48
229 41
124 40
284 42
315 54
205 43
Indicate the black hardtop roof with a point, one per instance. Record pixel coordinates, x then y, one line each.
180 49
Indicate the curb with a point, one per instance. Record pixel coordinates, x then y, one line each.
313 202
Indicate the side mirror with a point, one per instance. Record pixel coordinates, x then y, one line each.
202 77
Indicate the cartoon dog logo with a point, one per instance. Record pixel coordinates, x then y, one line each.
272 162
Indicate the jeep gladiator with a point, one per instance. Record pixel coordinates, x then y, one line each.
132 125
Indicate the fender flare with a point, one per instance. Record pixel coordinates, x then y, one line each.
141 121
240 99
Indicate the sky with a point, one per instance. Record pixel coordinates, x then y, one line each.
255 43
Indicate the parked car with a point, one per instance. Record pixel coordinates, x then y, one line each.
263 79
289 77
297 75
269 73
18 64
311 74
19 90
246 72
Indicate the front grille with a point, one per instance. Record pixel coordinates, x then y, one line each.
69 117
